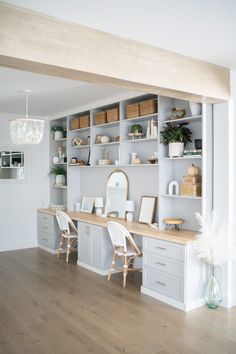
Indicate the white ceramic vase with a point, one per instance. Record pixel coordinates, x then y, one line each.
58 135
176 149
60 180
195 108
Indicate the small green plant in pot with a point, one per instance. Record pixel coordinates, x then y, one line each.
176 136
58 132
60 175
136 128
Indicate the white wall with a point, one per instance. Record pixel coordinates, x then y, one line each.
18 202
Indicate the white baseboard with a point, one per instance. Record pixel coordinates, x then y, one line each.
49 249
19 245
93 269
177 304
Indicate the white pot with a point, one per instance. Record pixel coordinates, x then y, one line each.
60 180
105 139
176 149
58 135
195 108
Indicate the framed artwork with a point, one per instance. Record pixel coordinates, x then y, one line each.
87 205
147 210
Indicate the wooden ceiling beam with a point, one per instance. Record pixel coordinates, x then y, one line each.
38 43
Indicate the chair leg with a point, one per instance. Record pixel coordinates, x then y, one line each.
60 246
112 266
125 270
68 250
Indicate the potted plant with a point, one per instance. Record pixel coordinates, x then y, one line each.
176 136
136 128
58 132
60 175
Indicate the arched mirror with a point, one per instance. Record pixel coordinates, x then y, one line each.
117 193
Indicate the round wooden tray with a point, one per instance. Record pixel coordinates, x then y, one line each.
173 221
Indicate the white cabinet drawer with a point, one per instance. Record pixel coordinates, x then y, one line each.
164 248
45 218
163 283
168 265
43 226
48 240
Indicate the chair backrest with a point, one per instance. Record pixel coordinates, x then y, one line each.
65 223
119 236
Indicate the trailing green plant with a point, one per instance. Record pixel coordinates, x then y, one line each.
57 128
136 128
58 170
173 133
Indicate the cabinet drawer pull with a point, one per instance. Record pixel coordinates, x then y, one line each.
161 248
45 218
45 227
160 283
45 239
161 264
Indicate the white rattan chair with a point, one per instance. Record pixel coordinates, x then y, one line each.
69 233
124 247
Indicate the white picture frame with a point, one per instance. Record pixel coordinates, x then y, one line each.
87 205
147 210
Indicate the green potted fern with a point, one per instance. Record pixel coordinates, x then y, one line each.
60 175
176 136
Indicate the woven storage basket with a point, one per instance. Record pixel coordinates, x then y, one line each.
100 118
84 121
113 115
74 123
132 110
148 107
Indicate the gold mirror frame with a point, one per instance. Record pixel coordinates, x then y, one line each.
127 191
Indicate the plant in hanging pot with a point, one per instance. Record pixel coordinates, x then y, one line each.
60 175
212 246
176 136
58 132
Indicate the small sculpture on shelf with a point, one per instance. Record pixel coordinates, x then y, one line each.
192 183
78 141
173 188
178 113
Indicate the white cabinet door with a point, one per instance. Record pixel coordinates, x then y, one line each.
84 238
96 246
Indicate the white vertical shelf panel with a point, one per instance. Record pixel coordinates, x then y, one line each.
207 161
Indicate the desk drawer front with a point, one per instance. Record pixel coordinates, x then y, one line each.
163 283
164 264
164 248
46 218
43 226
48 240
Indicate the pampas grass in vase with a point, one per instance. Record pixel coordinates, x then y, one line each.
212 246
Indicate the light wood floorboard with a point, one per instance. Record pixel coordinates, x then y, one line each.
48 306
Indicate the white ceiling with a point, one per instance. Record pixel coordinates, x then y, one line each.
204 29
49 94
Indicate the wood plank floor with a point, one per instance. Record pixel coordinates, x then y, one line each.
47 306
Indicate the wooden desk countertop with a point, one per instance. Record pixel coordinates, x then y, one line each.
182 237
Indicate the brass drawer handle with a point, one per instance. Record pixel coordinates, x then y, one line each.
160 283
161 264
161 248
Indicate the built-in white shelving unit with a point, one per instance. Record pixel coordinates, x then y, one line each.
119 151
